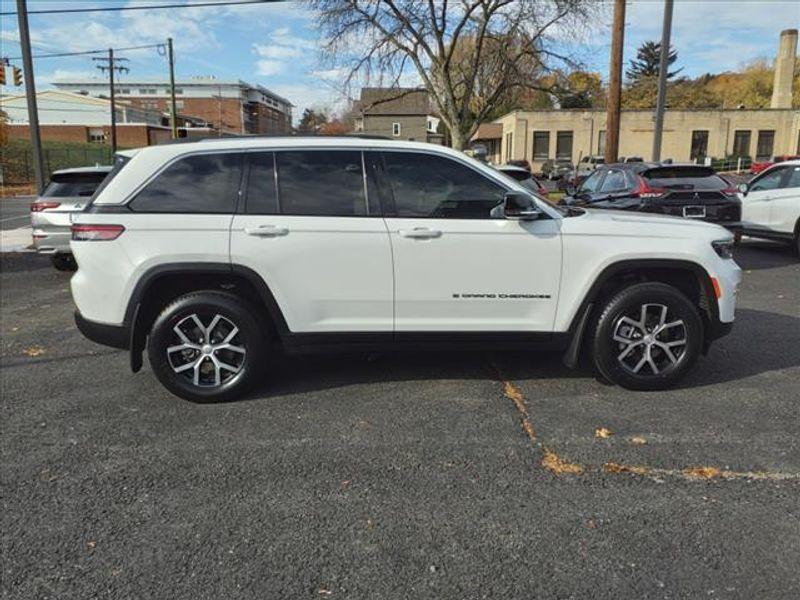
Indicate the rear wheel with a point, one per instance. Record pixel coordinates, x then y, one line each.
647 337
64 262
207 347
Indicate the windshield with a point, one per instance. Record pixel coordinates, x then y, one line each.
73 185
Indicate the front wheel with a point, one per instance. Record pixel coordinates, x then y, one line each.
647 337
207 347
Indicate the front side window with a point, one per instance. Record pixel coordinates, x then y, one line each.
425 185
321 183
771 180
203 183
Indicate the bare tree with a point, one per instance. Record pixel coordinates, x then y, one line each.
470 55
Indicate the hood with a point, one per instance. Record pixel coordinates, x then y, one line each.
624 223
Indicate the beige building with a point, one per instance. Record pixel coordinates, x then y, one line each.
688 135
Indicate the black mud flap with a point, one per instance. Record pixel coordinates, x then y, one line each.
137 342
572 354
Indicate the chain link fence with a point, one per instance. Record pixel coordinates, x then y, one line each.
16 161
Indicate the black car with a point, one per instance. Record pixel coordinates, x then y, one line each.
690 191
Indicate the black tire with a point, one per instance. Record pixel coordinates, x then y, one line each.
64 262
661 358
208 382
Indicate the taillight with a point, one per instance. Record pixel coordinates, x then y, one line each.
96 233
40 206
645 191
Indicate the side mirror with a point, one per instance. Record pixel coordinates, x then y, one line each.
517 205
743 188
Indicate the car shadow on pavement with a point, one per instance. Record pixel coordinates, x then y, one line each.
757 255
760 342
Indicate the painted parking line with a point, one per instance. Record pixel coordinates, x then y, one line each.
16 240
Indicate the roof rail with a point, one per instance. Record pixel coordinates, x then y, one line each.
248 136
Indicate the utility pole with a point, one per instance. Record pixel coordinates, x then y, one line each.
30 93
111 67
663 65
615 82
173 115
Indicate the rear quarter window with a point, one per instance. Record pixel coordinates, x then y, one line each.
203 183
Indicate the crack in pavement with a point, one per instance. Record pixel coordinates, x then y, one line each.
558 465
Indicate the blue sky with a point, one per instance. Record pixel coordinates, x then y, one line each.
277 45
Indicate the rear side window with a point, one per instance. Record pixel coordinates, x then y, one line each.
425 185
324 183
204 183
685 179
65 185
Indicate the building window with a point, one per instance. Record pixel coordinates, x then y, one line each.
509 144
396 129
564 144
96 135
177 91
601 142
124 91
147 91
699 145
179 104
741 142
541 145
766 139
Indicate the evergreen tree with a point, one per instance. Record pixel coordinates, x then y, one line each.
646 63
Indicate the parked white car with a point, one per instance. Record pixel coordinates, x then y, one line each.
213 253
68 191
771 204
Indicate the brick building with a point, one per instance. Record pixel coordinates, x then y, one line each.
228 106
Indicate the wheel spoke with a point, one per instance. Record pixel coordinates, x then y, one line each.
627 350
181 335
668 352
651 362
670 325
640 364
210 329
230 347
185 366
200 326
184 346
231 335
196 375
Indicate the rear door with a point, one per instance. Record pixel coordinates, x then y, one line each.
456 268
309 229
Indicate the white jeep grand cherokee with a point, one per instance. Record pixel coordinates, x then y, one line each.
211 254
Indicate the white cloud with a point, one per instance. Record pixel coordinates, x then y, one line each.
276 52
269 67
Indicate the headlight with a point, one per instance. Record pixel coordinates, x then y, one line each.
723 248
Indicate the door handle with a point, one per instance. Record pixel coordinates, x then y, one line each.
420 233
266 231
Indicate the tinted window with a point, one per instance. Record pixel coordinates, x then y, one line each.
689 178
769 181
592 182
321 182
262 198
794 178
205 183
66 185
425 185
614 181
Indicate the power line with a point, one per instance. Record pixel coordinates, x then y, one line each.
121 8
87 52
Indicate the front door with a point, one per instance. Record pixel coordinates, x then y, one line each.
309 231
456 268
757 204
784 211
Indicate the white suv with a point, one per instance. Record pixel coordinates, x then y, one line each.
211 254
771 204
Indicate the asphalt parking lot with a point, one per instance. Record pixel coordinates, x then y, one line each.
411 476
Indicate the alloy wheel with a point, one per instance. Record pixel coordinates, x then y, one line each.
649 342
206 355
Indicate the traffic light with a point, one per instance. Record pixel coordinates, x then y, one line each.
2 74
17 76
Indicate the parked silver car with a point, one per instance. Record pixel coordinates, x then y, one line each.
67 192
